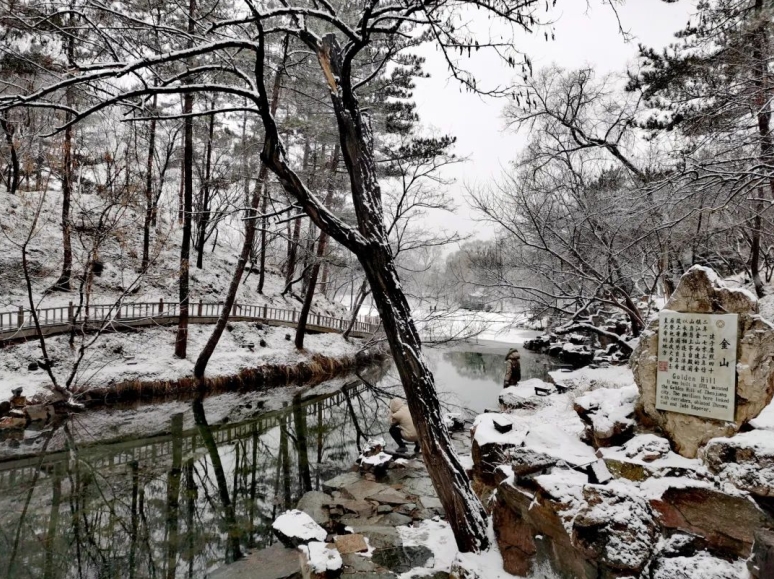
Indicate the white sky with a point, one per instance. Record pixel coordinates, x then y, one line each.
586 35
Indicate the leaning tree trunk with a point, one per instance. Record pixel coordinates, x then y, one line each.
247 244
362 294
315 271
369 243
203 218
463 509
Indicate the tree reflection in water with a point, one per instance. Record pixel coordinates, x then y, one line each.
178 504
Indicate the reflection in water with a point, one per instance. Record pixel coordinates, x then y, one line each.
175 505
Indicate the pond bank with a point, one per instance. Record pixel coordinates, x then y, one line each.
141 365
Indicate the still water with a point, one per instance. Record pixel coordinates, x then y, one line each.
179 489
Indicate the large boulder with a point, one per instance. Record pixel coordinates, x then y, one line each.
295 528
701 291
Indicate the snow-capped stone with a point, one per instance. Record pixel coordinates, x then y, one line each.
320 561
701 291
527 394
296 528
615 527
608 414
746 460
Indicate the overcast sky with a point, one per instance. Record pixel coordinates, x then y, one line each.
586 35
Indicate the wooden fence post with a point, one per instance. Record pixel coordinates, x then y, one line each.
265 312
199 309
161 306
20 317
70 313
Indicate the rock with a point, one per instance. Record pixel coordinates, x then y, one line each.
39 412
262 343
396 519
350 544
389 496
647 448
726 521
514 539
599 473
616 528
320 561
342 480
525 395
379 536
275 562
761 563
383 509
313 504
403 559
406 509
12 423
5 407
701 291
746 460
33 366
362 489
294 528
608 414
359 508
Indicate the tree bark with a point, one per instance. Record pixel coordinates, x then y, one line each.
149 197
250 224
264 225
181 341
315 270
203 217
370 245
13 177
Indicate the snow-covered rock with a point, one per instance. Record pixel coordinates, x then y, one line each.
296 528
701 291
320 561
609 414
529 394
746 460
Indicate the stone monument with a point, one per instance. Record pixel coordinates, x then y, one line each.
706 366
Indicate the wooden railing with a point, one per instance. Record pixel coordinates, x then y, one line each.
61 319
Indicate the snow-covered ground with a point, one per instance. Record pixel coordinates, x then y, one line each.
149 355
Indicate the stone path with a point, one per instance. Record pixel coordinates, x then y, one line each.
353 505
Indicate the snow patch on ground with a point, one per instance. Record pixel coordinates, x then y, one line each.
587 377
321 558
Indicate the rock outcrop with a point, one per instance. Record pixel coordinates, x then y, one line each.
701 291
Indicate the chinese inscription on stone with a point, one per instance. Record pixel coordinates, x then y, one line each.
697 364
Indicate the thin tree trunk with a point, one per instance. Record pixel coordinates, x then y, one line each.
149 197
204 211
250 223
13 177
760 64
181 341
173 496
302 449
315 270
264 225
362 294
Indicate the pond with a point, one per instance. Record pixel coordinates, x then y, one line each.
179 489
